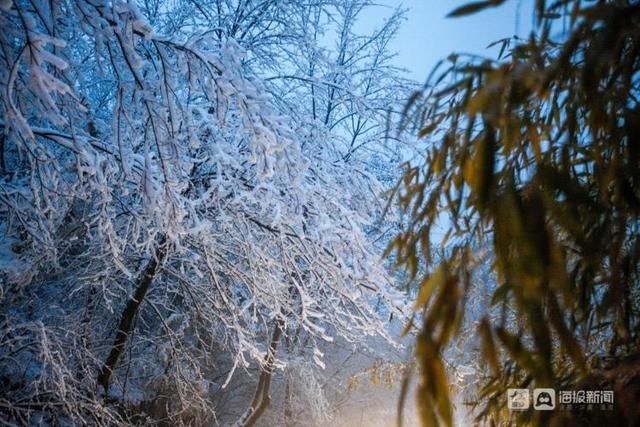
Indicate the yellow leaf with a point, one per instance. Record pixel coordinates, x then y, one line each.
429 283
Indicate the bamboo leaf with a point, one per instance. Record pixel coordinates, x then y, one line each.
474 7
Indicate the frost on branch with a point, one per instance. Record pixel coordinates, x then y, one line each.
165 204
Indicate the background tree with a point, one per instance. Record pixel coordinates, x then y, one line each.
535 157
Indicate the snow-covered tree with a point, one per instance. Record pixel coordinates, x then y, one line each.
183 186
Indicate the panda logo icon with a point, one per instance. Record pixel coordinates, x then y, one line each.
544 399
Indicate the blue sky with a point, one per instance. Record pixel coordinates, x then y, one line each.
428 35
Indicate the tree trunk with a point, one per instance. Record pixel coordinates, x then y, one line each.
261 397
128 315
288 403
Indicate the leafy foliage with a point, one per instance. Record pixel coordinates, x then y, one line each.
534 155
